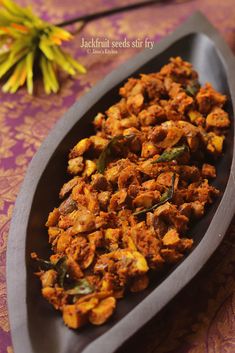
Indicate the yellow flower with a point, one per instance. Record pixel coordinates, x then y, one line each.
25 41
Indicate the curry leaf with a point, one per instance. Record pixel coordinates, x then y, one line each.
44 264
192 88
61 268
82 286
171 154
167 196
170 192
106 154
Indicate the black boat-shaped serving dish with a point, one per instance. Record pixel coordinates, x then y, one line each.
35 326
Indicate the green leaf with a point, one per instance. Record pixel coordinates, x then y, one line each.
171 154
170 192
192 88
44 264
61 268
106 154
167 196
82 286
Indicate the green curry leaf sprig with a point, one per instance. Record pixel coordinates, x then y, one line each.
192 88
78 287
171 154
167 196
118 141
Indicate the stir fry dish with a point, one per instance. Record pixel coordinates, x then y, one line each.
136 188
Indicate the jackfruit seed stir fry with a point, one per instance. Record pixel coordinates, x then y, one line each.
136 187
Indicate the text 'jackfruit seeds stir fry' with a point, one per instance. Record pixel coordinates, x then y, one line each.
136 187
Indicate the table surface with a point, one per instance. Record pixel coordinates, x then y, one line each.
201 318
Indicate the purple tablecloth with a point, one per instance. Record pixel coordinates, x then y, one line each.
201 318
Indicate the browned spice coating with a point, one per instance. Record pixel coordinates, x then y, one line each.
136 186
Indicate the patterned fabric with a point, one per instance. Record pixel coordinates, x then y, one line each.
201 318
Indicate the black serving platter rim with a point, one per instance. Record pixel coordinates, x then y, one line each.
143 312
